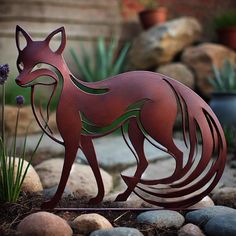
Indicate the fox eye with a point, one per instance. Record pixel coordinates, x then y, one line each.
39 65
21 66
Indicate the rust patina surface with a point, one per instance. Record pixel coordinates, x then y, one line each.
147 103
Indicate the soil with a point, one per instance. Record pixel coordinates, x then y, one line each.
12 213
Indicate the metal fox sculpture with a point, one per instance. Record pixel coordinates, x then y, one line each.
148 103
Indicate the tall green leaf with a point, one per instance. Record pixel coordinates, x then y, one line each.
103 62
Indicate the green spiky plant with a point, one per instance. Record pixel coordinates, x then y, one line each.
230 137
149 4
12 169
224 78
107 62
228 19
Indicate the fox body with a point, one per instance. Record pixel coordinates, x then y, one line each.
148 102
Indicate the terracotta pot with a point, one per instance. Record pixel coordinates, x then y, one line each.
227 36
149 18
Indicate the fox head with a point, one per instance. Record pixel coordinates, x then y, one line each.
35 53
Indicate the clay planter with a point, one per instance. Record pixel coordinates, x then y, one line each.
149 18
224 106
227 36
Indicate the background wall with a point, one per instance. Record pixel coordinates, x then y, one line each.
203 10
84 21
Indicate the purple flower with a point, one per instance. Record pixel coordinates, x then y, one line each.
20 100
4 70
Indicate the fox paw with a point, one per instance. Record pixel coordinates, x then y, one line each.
48 205
95 200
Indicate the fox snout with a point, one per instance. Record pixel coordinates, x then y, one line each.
18 80
21 79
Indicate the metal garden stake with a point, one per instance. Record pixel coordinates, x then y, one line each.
148 103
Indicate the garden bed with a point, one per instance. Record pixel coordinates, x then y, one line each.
12 214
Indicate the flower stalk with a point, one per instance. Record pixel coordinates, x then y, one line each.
12 170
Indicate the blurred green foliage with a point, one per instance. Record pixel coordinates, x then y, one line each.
228 19
103 62
224 78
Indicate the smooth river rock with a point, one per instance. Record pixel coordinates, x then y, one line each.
44 224
162 218
200 59
31 181
178 71
160 44
81 181
225 196
118 231
202 216
88 223
224 225
190 230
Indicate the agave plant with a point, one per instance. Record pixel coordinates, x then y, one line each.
225 78
107 62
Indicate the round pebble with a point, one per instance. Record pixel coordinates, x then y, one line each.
225 196
202 216
224 225
88 223
118 231
190 230
44 223
205 202
48 193
162 218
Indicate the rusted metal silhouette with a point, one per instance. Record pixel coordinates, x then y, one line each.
148 103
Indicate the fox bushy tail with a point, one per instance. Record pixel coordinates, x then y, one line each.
206 155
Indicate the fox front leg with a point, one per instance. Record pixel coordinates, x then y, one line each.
70 154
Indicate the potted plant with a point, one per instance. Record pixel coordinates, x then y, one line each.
226 28
152 14
223 101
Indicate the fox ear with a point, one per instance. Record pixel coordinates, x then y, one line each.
21 34
62 42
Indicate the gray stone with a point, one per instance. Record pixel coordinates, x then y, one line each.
233 164
49 192
160 44
178 71
225 196
132 202
44 223
118 231
162 168
112 151
161 218
202 216
47 145
228 178
190 230
81 181
224 225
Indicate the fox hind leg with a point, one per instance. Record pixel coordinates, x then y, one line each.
137 139
160 128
